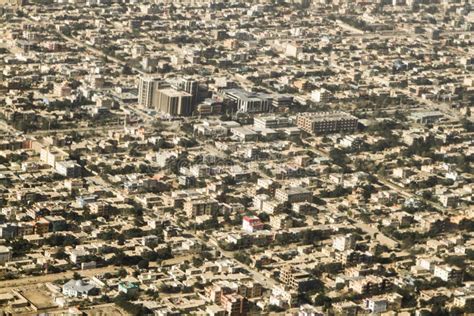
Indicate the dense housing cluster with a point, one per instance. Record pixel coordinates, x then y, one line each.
293 157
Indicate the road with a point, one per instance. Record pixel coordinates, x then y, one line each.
8 285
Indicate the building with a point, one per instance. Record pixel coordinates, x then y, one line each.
426 117
343 243
281 221
293 195
147 88
174 102
346 308
190 86
79 288
449 200
244 133
69 169
62 90
297 280
370 285
273 121
448 273
376 305
249 102
321 95
5 254
326 122
251 224
129 288
235 304
200 206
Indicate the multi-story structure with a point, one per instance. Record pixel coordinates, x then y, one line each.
188 85
69 168
376 305
343 243
62 90
321 95
200 206
147 89
281 221
174 102
270 122
370 285
235 304
326 122
250 289
249 102
296 280
293 195
448 273
251 224
5 254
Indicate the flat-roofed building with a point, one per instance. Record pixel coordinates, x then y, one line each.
249 102
174 102
147 89
270 122
326 122
293 195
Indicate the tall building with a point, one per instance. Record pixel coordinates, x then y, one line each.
147 89
190 86
326 122
173 102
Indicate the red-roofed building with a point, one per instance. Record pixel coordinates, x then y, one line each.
251 224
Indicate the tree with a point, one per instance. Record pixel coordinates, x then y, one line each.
76 276
322 300
143 264
122 273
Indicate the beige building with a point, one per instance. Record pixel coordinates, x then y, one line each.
5 254
174 102
326 122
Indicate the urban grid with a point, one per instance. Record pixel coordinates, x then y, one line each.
236 157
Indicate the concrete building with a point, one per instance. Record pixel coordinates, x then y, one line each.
79 288
5 254
273 121
235 304
249 102
198 207
293 195
174 102
147 89
251 224
296 280
321 95
343 243
448 273
68 168
327 122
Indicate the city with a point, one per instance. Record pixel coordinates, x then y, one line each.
231 157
